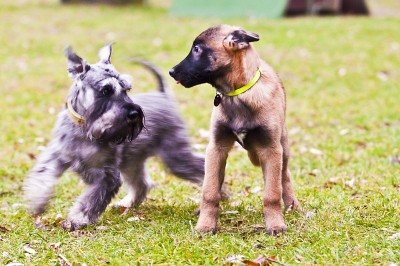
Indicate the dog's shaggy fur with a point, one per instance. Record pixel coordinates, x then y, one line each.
107 141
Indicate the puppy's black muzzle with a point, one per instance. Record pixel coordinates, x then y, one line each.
192 72
175 74
172 72
182 75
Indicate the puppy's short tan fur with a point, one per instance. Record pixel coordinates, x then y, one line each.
224 57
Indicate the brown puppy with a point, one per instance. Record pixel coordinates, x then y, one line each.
223 57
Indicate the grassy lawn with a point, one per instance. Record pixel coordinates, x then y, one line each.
342 78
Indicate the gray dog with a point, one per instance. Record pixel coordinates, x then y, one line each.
99 136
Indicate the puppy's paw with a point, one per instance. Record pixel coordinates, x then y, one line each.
206 224
206 229
70 226
275 225
196 212
76 220
276 230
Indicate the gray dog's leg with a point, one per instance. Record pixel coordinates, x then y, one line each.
103 185
137 181
39 185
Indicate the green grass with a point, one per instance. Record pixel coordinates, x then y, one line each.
342 78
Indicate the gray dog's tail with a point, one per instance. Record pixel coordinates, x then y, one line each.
153 69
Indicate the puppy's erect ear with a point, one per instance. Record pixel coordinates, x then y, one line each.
239 39
105 54
76 65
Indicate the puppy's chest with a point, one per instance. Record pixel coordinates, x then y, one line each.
250 138
249 133
242 120
240 115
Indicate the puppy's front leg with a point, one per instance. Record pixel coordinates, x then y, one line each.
39 185
271 162
103 185
215 162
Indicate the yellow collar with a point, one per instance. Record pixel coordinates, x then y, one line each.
73 115
247 86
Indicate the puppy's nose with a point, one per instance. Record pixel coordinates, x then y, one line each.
132 115
171 72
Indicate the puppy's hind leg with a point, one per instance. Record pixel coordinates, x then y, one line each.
39 185
271 162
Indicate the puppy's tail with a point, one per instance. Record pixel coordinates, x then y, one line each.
153 69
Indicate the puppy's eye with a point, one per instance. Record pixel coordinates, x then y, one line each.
196 49
107 90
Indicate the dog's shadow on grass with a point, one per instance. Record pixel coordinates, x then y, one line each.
153 215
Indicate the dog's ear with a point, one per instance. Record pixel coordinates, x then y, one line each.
105 54
126 81
239 39
76 65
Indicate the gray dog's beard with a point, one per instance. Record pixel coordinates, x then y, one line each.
119 135
116 131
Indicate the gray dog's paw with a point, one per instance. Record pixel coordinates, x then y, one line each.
70 226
